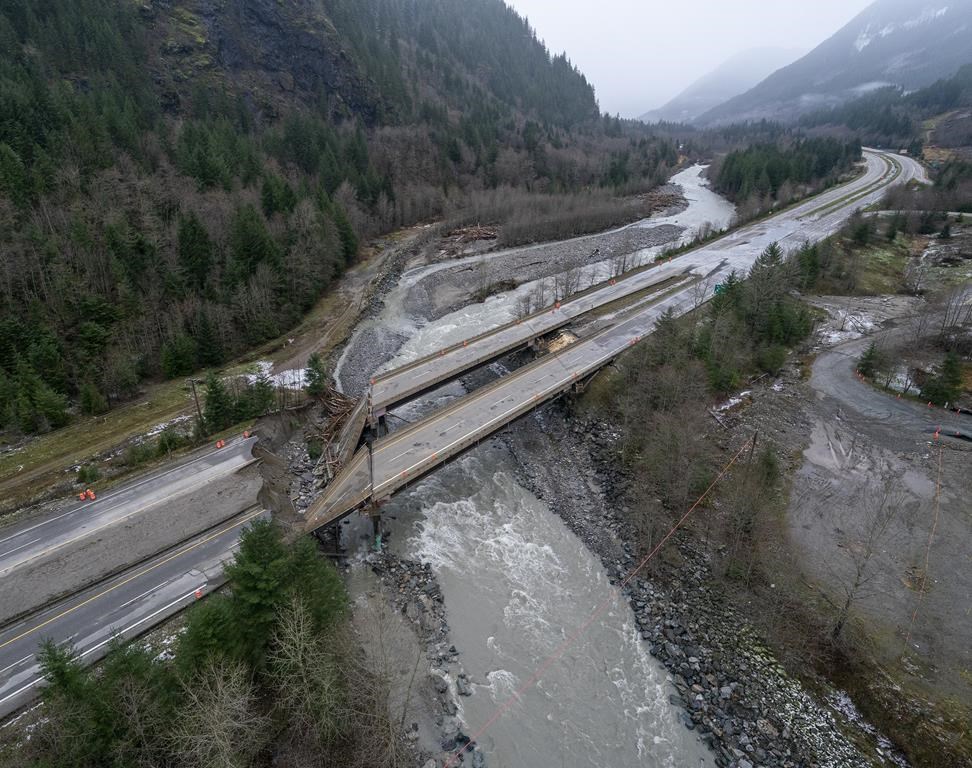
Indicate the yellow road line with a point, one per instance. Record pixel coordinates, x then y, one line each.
131 578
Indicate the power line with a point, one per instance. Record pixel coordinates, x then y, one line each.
931 537
454 759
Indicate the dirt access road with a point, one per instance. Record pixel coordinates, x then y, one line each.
864 443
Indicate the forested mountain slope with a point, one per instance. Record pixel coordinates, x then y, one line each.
180 179
892 117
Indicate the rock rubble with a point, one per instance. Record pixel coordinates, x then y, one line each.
414 591
731 689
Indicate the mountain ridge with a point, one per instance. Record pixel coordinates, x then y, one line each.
904 43
732 77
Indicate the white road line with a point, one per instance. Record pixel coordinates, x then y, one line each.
11 551
17 663
146 592
103 643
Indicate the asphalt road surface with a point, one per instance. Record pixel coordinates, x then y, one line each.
406 455
123 607
31 540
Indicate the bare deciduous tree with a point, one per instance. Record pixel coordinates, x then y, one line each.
865 532
220 724
307 679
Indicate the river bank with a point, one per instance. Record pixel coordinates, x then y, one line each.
513 577
731 689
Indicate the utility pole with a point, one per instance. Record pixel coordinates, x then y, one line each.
372 507
192 383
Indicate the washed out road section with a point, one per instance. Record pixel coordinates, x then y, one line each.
408 454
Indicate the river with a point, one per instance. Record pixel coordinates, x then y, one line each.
517 581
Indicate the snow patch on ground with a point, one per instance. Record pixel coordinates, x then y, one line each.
158 429
901 380
842 704
845 325
927 15
167 645
732 402
869 34
293 379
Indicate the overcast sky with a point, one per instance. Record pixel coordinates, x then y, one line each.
640 53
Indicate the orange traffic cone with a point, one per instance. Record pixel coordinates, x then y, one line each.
82 496
91 494
199 594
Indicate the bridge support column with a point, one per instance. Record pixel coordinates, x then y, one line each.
374 512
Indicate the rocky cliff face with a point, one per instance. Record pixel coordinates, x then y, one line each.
264 51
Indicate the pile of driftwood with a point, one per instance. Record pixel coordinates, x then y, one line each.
335 407
457 238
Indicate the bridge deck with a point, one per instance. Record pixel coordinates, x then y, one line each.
408 454
414 378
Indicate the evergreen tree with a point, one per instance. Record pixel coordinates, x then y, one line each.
259 574
46 359
868 363
14 182
317 584
250 244
946 386
178 357
51 406
218 413
349 241
195 251
209 628
255 400
209 349
91 400
316 376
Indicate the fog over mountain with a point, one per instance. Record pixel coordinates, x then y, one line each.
639 55
907 43
736 75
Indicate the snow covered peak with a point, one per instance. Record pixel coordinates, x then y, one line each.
870 33
929 14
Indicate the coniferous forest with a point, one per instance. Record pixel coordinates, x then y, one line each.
775 171
179 181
